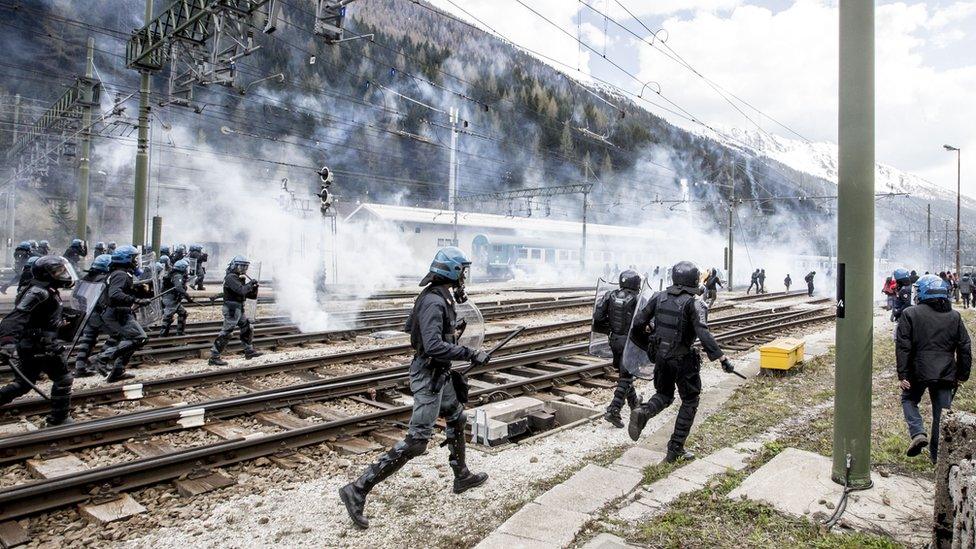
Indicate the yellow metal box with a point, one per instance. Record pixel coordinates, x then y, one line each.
781 354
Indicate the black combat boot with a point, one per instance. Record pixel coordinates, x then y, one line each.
677 455
164 331
613 418
118 372
251 353
82 369
464 479
181 325
353 495
215 360
638 419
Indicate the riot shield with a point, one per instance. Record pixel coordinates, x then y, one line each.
251 305
191 271
150 276
635 359
78 308
470 326
599 332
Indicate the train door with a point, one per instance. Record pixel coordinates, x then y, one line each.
550 255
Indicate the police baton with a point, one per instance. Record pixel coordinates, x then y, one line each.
155 297
731 370
515 333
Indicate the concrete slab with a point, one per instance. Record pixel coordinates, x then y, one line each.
544 523
607 541
668 489
590 489
796 481
698 472
639 510
729 458
638 458
499 540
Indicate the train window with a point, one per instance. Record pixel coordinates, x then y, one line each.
536 253
498 249
523 253
417 229
441 242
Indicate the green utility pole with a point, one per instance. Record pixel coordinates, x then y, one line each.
157 233
84 161
142 154
855 247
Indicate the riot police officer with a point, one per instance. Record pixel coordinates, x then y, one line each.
110 248
96 274
612 316
174 292
26 274
164 265
678 319
431 326
164 250
44 248
75 252
99 249
178 253
21 254
903 293
236 290
196 252
29 335
121 295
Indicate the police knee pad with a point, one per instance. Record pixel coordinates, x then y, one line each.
140 341
181 313
62 386
413 447
455 427
663 400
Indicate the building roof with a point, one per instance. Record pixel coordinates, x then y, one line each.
407 214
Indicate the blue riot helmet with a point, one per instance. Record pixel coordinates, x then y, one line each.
901 274
44 243
238 265
163 251
77 243
24 246
180 249
33 244
126 255
31 260
196 248
181 266
111 247
101 263
452 265
932 287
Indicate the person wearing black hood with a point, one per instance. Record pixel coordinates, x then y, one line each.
432 326
753 282
761 277
933 352
612 316
678 319
809 280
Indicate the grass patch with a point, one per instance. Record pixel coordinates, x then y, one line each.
889 435
709 519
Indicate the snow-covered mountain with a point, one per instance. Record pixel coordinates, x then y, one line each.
820 160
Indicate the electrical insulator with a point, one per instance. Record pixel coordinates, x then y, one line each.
325 176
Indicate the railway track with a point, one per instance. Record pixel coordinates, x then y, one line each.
526 369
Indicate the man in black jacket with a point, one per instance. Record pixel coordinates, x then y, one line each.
711 287
678 318
761 277
29 335
432 326
237 289
612 316
753 282
809 280
118 316
933 352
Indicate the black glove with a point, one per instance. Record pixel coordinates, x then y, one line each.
727 366
142 302
480 358
8 351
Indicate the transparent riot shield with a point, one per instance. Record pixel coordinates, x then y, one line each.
150 276
191 271
251 305
470 326
599 332
78 308
635 359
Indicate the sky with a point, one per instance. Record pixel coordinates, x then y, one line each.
778 56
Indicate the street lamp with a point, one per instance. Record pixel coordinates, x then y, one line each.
950 148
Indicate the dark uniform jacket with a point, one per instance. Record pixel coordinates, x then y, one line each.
711 282
175 281
35 319
236 290
690 317
613 314
431 326
932 344
122 292
903 300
